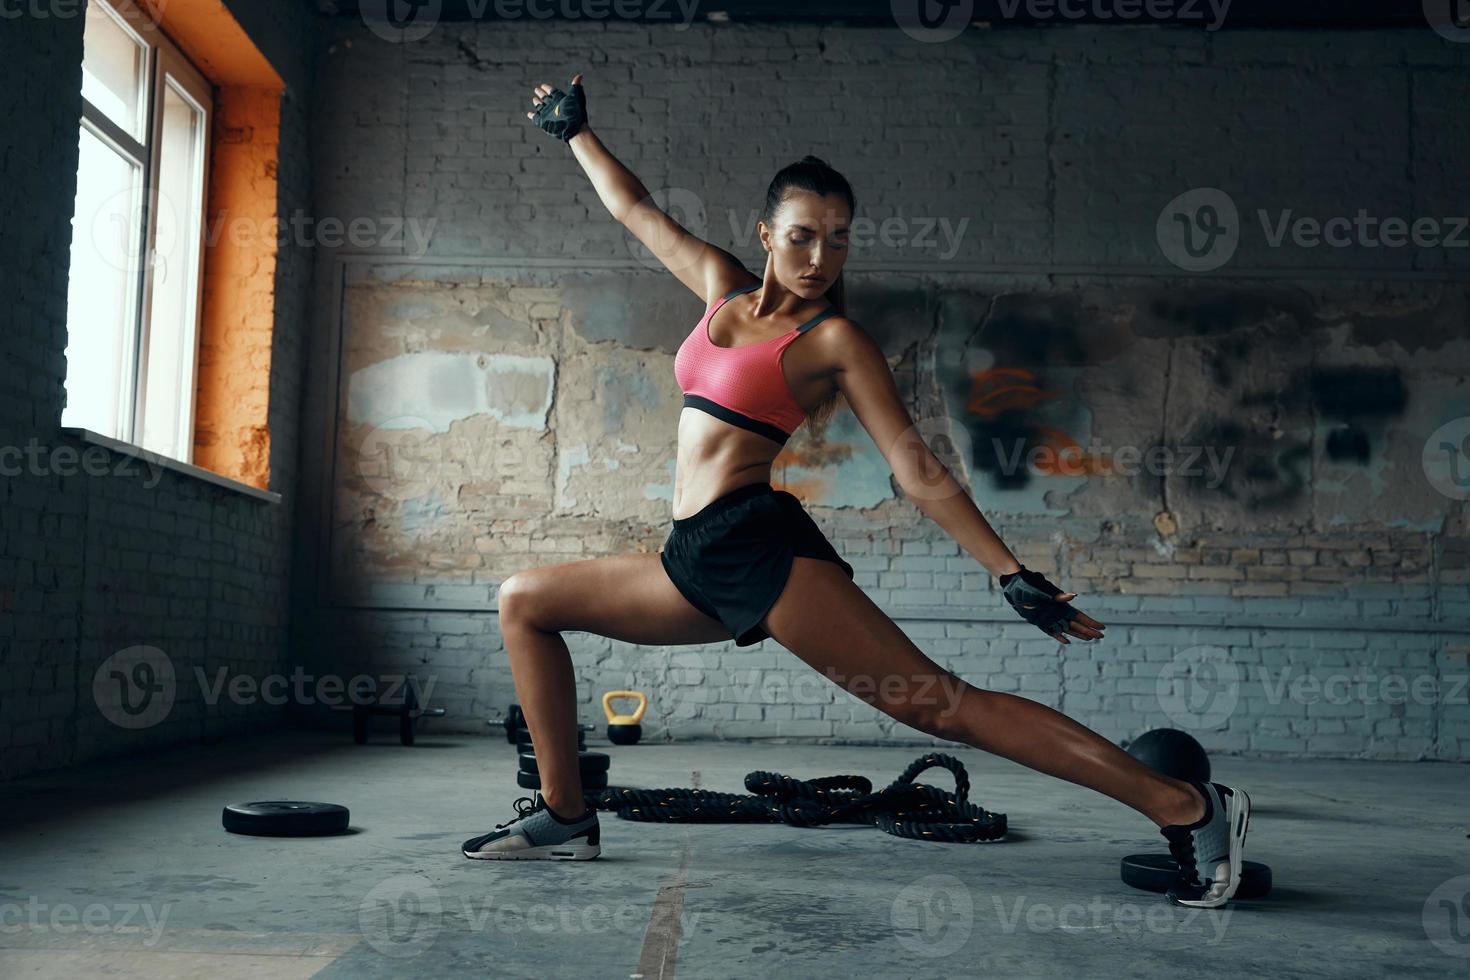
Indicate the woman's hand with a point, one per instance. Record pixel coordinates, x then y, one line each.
1047 607
562 114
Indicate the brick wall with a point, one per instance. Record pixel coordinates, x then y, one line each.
1038 163
101 559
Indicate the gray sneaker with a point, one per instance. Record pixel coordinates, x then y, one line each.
538 834
1210 851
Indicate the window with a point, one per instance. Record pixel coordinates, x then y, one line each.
133 299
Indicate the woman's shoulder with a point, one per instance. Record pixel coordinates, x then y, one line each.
839 325
737 281
839 340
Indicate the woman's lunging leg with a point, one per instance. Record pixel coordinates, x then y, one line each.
1046 740
625 597
546 690
831 624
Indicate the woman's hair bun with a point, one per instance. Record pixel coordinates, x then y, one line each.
811 159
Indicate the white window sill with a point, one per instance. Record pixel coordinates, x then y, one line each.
154 459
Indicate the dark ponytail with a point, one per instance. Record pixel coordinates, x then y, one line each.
813 174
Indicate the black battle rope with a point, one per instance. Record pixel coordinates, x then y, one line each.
904 808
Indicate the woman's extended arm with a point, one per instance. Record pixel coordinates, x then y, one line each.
864 377
707 270
866 380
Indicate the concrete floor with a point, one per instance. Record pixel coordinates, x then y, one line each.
124 870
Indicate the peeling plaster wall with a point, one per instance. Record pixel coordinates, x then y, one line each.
1233 469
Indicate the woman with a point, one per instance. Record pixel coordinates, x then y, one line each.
745 562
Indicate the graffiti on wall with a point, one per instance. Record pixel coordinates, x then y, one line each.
1232 375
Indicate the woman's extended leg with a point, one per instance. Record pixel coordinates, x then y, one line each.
626 597
830 623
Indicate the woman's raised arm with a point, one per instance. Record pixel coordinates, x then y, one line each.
707 270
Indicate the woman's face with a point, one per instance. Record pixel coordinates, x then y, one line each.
809 241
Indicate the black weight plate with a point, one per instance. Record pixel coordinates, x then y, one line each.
590 781
526 746
285 818
1156 872
523 734
588 761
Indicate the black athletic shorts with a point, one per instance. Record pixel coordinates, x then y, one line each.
731 559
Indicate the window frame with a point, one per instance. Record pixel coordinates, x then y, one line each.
165 66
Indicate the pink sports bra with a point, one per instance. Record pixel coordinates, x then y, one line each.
745 385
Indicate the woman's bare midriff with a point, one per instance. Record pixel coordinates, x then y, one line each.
714 458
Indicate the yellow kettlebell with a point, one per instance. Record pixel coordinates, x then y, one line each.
624 729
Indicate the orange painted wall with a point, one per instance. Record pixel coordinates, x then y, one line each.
231 433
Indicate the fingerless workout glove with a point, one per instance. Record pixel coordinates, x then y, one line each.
1030 595
562 114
